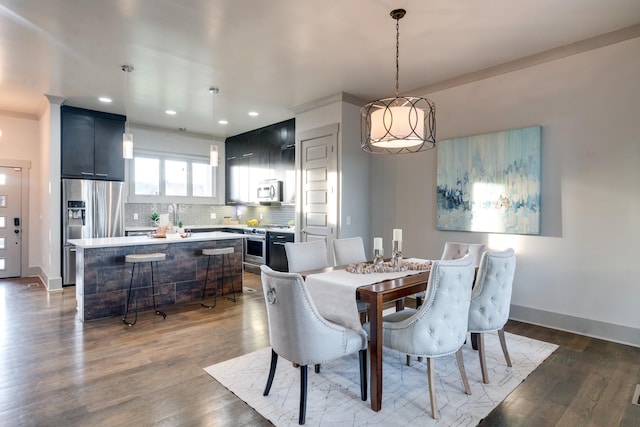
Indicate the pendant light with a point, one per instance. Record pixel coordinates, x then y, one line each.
127 138
213 149
402 124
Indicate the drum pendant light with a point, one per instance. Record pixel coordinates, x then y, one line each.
402 124
127 137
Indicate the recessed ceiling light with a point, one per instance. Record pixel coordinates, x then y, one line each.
105 99
223 122
171 112
253 113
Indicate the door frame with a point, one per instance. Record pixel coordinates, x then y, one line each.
25 166
318 132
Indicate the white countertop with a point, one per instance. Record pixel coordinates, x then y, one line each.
145 240
196 227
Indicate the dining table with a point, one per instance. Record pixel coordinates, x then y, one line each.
375 289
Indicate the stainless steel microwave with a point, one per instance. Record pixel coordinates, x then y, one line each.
270 191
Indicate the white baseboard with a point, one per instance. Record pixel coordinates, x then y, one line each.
588 327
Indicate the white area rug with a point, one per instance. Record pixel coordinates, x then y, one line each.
333 397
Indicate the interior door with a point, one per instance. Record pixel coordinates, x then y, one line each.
10 221
319 201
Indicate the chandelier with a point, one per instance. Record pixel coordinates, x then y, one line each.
403 124
127 137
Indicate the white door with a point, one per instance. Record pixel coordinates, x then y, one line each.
319 206
10 221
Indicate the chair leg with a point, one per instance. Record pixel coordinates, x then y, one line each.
303 394
363 374
408 360
418 302
233 289
432 391
153 295
483 361
503 344
204 287
126 309
463 372
272 371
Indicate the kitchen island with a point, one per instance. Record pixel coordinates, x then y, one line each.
102 276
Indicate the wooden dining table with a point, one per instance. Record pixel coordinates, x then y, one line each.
377 294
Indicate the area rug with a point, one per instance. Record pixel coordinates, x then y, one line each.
333 397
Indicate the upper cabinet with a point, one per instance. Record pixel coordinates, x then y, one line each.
91 144
251 157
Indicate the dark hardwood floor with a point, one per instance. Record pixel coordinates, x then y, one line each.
58 371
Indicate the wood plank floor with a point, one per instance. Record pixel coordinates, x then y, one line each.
58 371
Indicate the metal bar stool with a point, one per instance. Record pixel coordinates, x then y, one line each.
212 252
137 259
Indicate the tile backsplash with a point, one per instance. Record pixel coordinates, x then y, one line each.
191 214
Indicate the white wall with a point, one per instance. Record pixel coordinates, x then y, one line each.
580 274
20 141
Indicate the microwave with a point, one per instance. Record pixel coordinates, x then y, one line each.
269 191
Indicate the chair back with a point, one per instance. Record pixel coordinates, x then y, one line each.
491 296
303 256
348 250
439 326
454 250
297 331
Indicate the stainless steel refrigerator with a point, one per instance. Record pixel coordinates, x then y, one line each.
90 209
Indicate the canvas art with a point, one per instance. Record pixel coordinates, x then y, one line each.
490 183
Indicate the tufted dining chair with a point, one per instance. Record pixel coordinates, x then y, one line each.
299 333
304 256
490 301
439 327
348 250
454 250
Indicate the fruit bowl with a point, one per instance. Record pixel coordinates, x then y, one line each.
253 223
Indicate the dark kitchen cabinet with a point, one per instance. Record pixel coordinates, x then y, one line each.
276 255
91 144
251 157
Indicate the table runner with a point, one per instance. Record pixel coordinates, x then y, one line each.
334 292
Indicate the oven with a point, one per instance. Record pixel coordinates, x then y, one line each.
255 247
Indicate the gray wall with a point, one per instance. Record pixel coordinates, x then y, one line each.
580 274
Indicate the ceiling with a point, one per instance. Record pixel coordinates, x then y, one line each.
266 56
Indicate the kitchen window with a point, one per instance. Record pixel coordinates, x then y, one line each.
163 177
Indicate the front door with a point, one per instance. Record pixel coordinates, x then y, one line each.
318 159
10 221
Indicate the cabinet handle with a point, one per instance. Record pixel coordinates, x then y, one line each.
290 146
86 173
278 243
102 174
247 154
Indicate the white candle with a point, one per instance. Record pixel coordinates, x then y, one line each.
377 243
397 234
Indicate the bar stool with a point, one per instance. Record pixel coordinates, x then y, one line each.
137 259
212 252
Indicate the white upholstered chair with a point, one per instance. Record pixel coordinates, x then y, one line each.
304 256
299 333
490 301
439 327
349 250
454 250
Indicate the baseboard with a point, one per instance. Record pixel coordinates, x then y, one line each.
588 327
52 285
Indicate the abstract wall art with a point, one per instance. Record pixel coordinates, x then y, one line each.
490 183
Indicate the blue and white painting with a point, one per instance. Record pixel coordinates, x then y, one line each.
490 183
